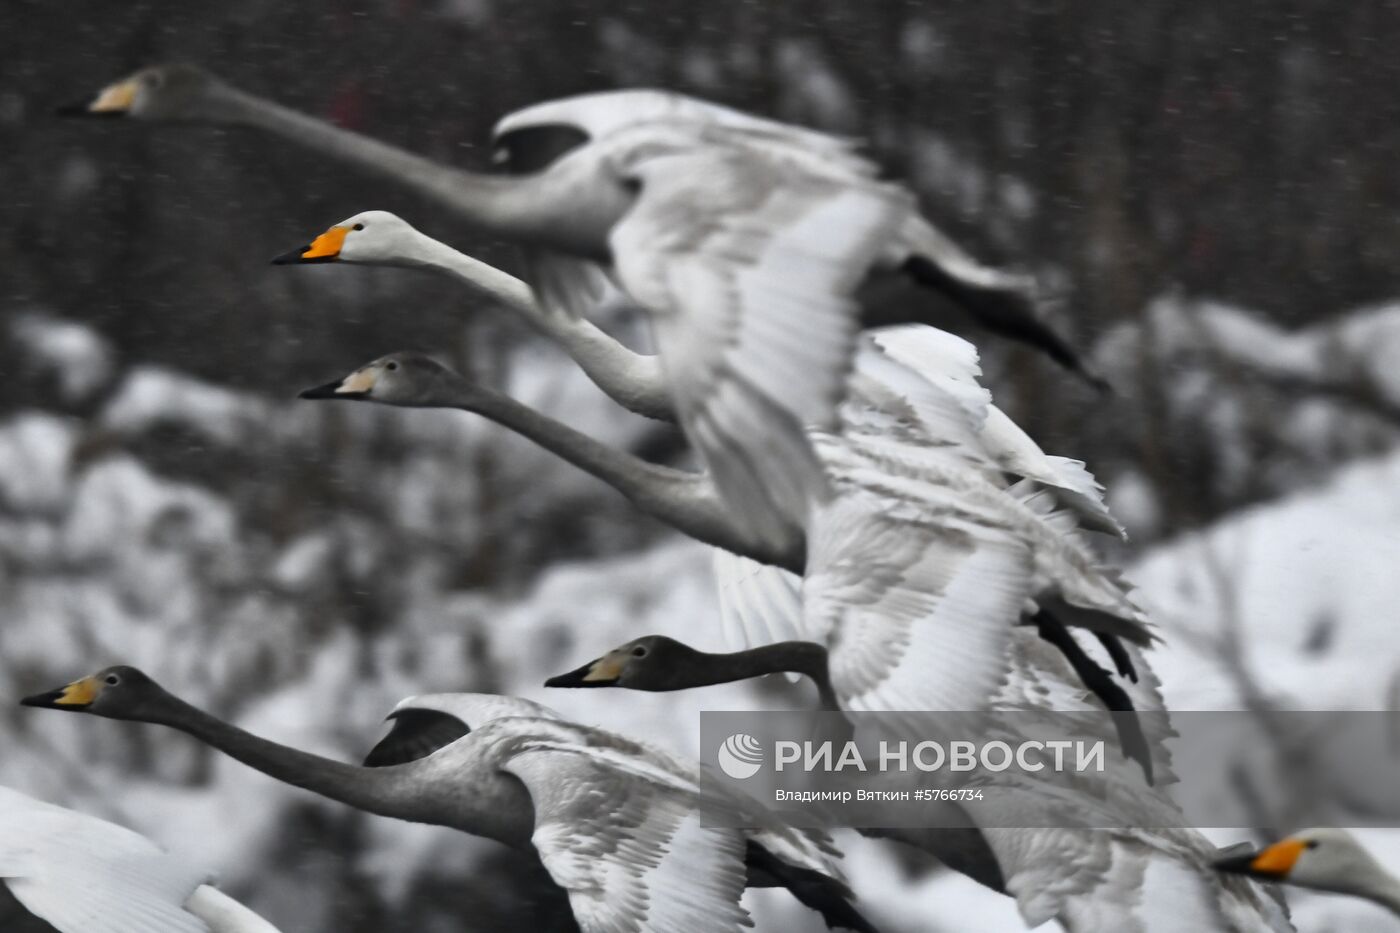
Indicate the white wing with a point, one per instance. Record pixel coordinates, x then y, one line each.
85 875
603 114
223 914
1071 481
749 270
1130 880
917 612
759 604
626 839
476 709
949 365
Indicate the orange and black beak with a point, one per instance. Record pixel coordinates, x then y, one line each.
325 248
1269 864
76 697
115 100
603 672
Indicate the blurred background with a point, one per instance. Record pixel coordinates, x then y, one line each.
1210 188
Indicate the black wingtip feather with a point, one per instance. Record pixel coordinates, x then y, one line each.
1100 682
1122 661
822 893
1007 311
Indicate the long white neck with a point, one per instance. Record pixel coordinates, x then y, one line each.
1381 887
634 380
503 205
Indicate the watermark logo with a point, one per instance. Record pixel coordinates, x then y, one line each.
740 756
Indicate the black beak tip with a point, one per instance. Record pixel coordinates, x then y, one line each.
42 700
575 678
1236 864
83 111
290 258
322 391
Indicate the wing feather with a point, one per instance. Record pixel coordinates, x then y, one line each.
628 842
759 604
749 272
85 875
916 614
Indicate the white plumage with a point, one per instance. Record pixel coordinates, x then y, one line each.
82 874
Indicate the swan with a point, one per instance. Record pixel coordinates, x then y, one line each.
728 229
636 381
81 874
617 824
921 374
660 664
1324 860
922 566
1158 879
529 141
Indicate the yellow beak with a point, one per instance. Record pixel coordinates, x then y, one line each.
115 98
606 668
327 245
361 380
1278 859
79 693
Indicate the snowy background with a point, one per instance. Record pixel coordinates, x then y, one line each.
1224 232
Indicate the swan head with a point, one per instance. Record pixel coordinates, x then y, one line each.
161 92
119 692
371 237
411 380
646 663
1323 859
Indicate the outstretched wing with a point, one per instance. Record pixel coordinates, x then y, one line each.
85 875
759 604
627 840
749 266
914 600
938 365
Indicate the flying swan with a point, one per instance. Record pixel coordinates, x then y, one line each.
617 824
747 240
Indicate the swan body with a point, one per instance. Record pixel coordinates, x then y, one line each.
1323 860
616 823
931 366
914 543
81 874
1089 880
744 238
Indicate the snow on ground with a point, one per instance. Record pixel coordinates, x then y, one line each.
337 567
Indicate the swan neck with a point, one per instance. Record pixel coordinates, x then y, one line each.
795 657
359 787
489 202
477 275
1386 891
685 501
633 380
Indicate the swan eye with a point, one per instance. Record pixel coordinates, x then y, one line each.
112 680
358 227
391 366
1310 844
639 652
